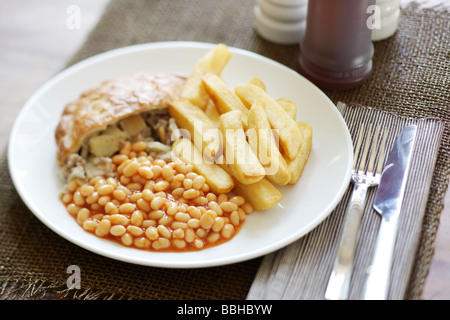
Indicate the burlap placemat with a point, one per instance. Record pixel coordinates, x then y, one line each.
410 77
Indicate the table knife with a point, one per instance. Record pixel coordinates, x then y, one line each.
387 203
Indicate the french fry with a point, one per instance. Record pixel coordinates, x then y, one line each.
289 106
203 132
278 118
213 61
257 82
263 144
262 195
238 156
223 96
218 179
297 164
212 113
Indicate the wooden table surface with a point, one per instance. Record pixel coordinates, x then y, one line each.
38 37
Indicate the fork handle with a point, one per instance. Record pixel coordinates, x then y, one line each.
338 284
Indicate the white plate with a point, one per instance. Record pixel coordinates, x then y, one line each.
326 176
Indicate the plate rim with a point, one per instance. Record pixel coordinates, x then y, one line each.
172 264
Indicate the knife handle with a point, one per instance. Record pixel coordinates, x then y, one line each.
338 285
377 282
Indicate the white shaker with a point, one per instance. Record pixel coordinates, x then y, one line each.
281 21
388 12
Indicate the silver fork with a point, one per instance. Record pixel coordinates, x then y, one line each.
367 167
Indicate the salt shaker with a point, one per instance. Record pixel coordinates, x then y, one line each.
388 12
281 21
336 50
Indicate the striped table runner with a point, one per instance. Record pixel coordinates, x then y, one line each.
302 270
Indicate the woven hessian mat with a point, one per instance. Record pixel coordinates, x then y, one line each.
410 77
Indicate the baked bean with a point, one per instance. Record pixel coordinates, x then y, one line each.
147 195
178 192
138 146
127 208
83 215
171 208
78 199
227 231
90 225
143 205
161 186
135 231
189 235
179 243
66 198
194 212
234 218
131 169
178 233
161 243
146 172
111 208
119 195
156 214
212 205
194 223
165 220
86 190
105 189
190 194
137 218
157 203
103 200
119 158
142 242
207 219
247 207
167 173
103 228
127 239
73 209
187 183
178 225
183 217
238 200
152 233
218 224
213 237
228 206
119 219
154 204
222 198
164 232
198 243
198 182
117 230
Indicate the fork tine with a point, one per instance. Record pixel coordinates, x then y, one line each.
366 147
373 153
381 154
358 147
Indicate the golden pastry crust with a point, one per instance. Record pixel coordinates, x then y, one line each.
110 102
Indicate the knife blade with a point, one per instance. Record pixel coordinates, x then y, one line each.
387 203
